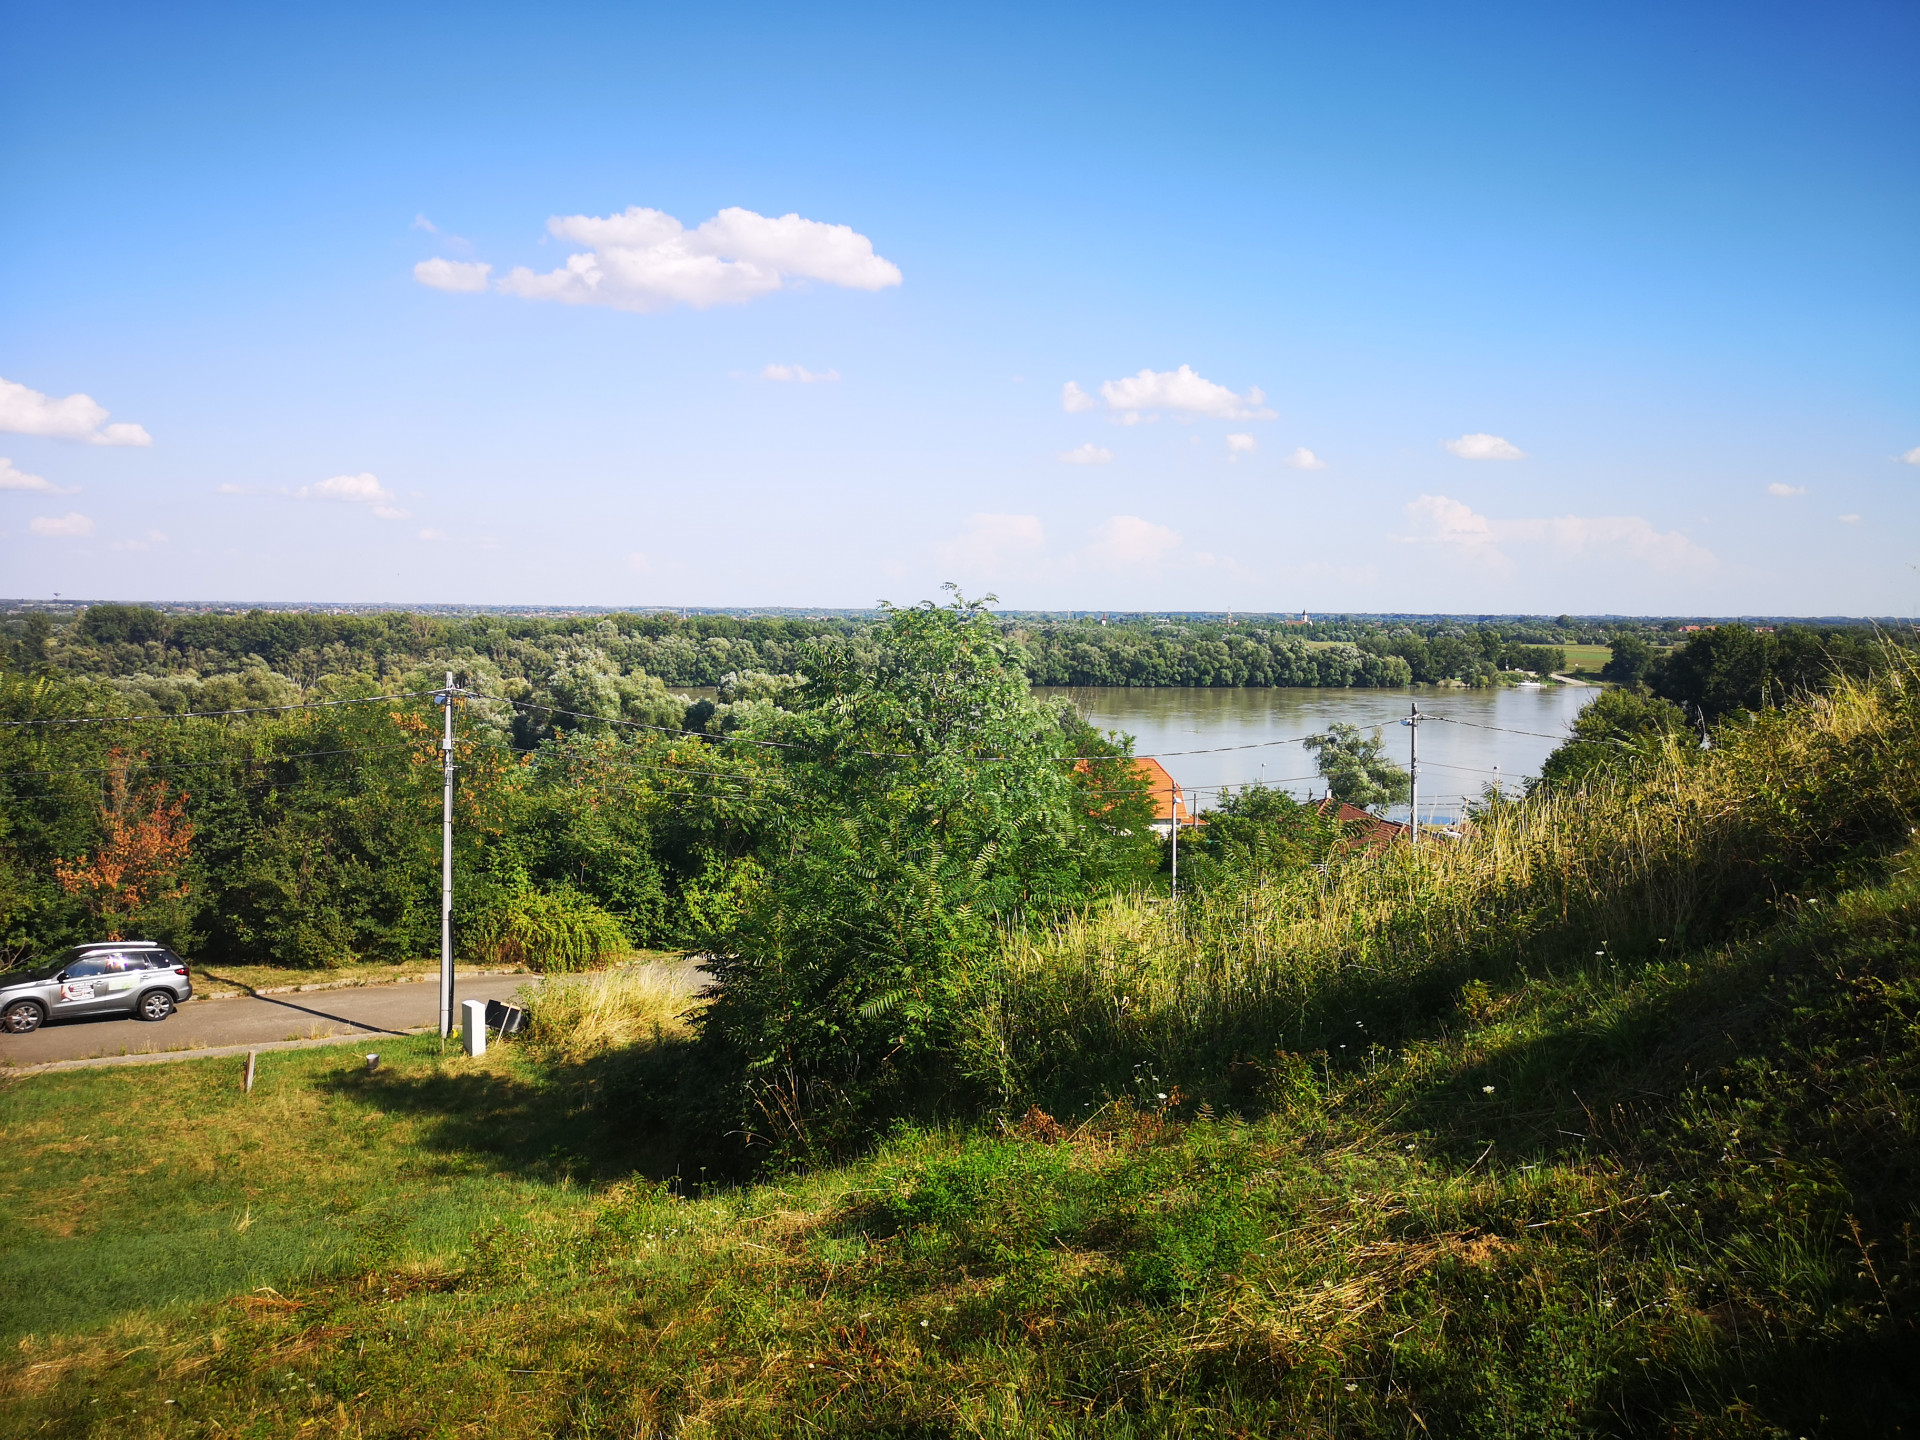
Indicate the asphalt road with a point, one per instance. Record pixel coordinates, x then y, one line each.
371 1010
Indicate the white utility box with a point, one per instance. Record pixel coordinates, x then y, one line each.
473 1026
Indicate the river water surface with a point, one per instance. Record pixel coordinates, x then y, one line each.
1475 732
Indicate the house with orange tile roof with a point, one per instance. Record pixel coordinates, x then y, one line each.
1169 800
1361 829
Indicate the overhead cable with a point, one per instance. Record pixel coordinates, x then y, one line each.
216 714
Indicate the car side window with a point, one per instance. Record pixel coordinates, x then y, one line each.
87 965
161 960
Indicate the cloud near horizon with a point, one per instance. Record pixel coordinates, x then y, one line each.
1304 459
76 417
645 260
362 489
1481 446
1781 491
1130 541
1087 454
1182 392
991 542
1238 445
1629 538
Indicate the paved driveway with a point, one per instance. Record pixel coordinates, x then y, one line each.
257 1019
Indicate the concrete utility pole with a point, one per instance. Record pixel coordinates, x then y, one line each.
446 867
1173 809
1412 722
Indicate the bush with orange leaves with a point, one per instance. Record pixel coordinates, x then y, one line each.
148 839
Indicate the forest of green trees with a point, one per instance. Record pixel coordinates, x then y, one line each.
624 664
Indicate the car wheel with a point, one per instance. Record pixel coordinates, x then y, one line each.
22 1017
154 1005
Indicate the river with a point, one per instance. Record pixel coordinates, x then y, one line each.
1511 729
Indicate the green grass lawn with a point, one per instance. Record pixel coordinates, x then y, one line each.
1669 1193
1588 658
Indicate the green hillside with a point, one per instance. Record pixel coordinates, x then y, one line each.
1597 1122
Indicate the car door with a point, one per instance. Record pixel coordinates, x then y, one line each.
85 988
123 976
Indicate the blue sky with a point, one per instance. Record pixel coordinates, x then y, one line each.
1649 271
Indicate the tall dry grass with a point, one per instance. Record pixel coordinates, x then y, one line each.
579 1017
1675 850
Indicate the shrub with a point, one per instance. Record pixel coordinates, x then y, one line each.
547 931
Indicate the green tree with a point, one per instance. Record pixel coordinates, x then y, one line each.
1734 667
1258 832
1357 769
1618 730
931 801
1628 664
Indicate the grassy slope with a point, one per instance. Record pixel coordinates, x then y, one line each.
1667 1197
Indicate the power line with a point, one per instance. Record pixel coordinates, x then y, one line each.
217 714
207 764
1503 729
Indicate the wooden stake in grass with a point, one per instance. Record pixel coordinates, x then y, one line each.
246 1086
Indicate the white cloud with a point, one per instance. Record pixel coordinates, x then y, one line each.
1481 446
146 542
362 489
799 374
993 541
1912 457
433 534
420 222
644 260
1449 521
12 478
1181 391
1238 445
1783 491
68 526
1087 454
1074 400
1620 538
77 417
1127 540
460 276
1304 459
1849 519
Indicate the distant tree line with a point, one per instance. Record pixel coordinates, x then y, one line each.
627 665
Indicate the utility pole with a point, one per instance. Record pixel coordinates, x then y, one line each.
1173 809
1412 722
446 867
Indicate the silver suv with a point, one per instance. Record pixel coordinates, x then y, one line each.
111 977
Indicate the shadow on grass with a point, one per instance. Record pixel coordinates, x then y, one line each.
520 1116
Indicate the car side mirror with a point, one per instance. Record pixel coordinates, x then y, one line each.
60 978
